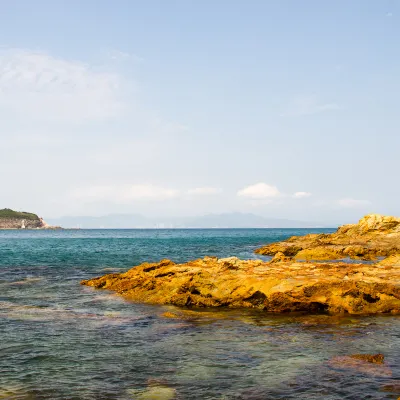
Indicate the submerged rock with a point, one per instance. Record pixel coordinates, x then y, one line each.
374 236
371 358
363 363
393 387
153 392
271 286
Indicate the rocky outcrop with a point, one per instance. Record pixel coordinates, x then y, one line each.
277 286
17 223
10 219
374 236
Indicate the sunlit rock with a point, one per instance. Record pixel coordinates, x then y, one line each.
374 236
274 287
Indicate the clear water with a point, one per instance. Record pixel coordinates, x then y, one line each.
61 340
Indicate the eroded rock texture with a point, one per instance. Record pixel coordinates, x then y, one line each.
278 286
374 236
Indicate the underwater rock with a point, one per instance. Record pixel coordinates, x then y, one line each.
362 365
323 319
169 314
374 236
393 387
153 392
278 287
371 358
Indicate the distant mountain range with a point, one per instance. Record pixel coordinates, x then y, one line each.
131 221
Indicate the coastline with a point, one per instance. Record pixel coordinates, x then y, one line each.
189 349
283 284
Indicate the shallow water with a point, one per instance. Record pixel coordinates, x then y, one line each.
61 340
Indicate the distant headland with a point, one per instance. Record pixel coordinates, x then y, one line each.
10 219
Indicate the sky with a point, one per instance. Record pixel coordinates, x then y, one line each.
284 109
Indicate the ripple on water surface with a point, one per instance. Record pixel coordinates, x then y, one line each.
60 340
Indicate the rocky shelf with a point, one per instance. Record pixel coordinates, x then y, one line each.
374 236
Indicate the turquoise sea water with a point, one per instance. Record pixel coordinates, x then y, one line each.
61 340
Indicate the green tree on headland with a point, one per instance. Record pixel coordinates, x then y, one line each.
8 213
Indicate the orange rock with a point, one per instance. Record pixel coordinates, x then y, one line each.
335 288
374 236
169 315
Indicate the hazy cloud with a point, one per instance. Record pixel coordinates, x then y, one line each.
204 191
301 195
124 193
353 203
259 191
48 88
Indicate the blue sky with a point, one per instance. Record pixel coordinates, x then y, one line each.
280 108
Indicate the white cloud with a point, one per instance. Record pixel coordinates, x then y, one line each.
259 191
308 105
353 203
204 191
124 193
48 88
301 195
128 193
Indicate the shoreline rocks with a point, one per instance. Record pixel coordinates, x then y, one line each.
283 284
276 287
375 236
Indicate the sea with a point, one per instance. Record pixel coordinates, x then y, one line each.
62 340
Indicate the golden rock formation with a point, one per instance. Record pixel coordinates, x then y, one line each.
271 286
374 236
